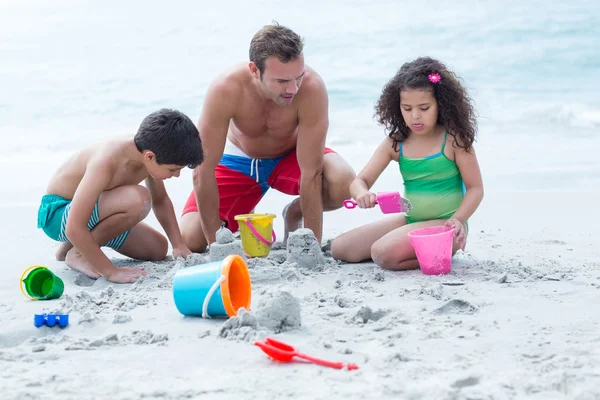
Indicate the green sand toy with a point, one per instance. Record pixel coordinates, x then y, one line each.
41 284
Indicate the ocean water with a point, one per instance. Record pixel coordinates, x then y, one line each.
73 72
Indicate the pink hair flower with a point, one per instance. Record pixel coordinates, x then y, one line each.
434 78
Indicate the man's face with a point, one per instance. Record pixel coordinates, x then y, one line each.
280 82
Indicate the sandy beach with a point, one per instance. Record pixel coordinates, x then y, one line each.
515 319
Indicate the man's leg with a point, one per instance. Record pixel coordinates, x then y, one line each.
191 227
238 194
119 210
337 177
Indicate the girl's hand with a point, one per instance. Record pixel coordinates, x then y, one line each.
181 251
367 200
460 232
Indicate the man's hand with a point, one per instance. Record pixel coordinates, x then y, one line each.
181 251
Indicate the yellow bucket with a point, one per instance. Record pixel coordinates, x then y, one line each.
254 231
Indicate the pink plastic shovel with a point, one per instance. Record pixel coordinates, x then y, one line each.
389 203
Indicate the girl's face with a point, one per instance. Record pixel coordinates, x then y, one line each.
419 109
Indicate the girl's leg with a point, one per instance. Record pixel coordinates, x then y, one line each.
394 252
355 245
119 210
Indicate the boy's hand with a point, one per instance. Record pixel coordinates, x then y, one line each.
460 232
125 275
367 200
181 251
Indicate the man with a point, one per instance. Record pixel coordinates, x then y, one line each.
264 124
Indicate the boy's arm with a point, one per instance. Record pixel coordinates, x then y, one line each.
165 214
312 130
97 177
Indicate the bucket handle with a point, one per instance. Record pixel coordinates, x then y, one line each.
258 235
210 294
21 280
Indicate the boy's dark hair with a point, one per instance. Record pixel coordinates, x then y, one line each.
275 40
455 109
172 137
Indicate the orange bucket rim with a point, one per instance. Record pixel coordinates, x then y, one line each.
226 265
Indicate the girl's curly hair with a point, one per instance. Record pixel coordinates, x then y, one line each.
455 107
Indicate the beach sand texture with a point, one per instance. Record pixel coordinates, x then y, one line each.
517 317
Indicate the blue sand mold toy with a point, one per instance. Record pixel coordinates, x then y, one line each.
51 319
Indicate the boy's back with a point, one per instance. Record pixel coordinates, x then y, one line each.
111 156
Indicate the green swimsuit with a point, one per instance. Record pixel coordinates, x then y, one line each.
433 185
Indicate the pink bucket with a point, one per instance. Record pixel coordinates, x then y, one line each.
433 246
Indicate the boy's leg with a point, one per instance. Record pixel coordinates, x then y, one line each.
145 243
394 252
61 250
337 177
119 210
355 246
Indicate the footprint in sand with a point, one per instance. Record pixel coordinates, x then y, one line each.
551 241
366 314
461 383
456 306
84 280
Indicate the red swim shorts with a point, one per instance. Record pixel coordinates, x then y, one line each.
243 181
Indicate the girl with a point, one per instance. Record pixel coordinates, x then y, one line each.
431 128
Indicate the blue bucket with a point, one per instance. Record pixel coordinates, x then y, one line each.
214 289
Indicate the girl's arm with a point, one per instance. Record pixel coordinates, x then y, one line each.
359 188
471 175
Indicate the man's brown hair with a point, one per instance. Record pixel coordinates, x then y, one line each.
275 40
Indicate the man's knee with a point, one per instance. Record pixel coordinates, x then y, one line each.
337 177
192 233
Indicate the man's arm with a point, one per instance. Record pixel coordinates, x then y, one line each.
312 131
98 175
165 214
213 125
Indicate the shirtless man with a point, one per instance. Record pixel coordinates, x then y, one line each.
264 124
94 199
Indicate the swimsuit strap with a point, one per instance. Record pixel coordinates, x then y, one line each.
443 145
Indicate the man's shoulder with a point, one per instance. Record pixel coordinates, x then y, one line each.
313 83
231 80
313 94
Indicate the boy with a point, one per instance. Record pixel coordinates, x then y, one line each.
94 198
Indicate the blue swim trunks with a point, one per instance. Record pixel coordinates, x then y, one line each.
52 218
